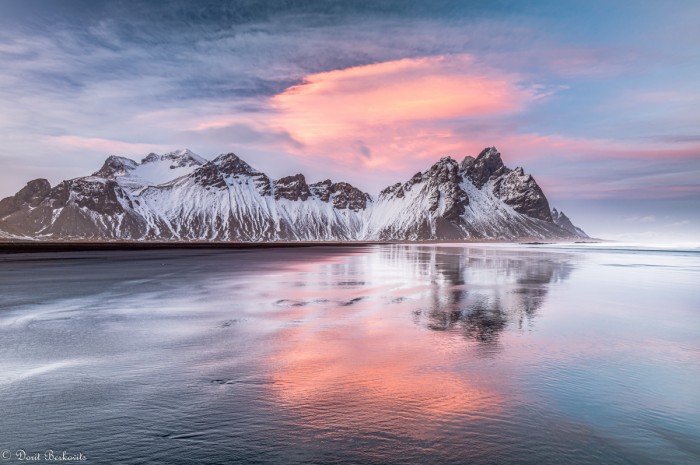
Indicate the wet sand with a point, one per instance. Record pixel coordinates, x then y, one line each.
380 354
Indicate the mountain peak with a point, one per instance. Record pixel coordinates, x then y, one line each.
563 221
230 163
115 166
489 152
447 162
444 170
487 166
178 158
186 153
467 162
32 194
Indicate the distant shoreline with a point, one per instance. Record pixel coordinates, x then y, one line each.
86 246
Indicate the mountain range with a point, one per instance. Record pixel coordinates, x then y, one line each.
182 196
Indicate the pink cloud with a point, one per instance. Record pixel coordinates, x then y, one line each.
602 190
394 116
532 145
332 104
390 115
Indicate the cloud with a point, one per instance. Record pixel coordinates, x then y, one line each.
332 104
238 133
641 219
395 115
106 146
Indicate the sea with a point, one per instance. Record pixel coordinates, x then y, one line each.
368 354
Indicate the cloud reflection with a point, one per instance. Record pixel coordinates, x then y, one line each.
378 357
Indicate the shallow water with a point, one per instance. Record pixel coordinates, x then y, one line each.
377 354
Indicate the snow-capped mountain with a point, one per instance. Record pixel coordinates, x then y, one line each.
181 196
478 198
153 170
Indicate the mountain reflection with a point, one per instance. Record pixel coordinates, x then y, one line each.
361 343
481 292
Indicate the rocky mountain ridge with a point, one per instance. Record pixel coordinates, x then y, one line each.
182 196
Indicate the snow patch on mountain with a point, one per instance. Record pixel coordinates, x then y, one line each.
153 170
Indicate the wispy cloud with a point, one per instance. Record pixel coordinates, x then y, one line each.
107 146
641 219
676 224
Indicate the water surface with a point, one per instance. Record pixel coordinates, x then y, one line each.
376 354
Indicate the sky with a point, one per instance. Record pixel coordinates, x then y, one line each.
598 100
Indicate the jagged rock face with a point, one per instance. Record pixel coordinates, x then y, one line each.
322 190
563 221
230 164
209 176
429 205
487 166
91 194
342 194
30 195
445 176
292 188
346 196
520 191
115 166
213 174
467 163
98 208
85 208
441 183
262 184
180 196
393 190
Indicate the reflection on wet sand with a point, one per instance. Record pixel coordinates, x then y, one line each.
365 359
478 292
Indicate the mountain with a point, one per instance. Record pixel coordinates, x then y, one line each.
563 221
182 196
477 198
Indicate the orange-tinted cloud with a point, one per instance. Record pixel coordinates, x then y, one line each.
386 116
337 103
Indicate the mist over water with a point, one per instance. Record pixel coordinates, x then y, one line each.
378 354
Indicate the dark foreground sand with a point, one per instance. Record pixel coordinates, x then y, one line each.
82 246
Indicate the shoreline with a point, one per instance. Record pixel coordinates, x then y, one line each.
9 247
